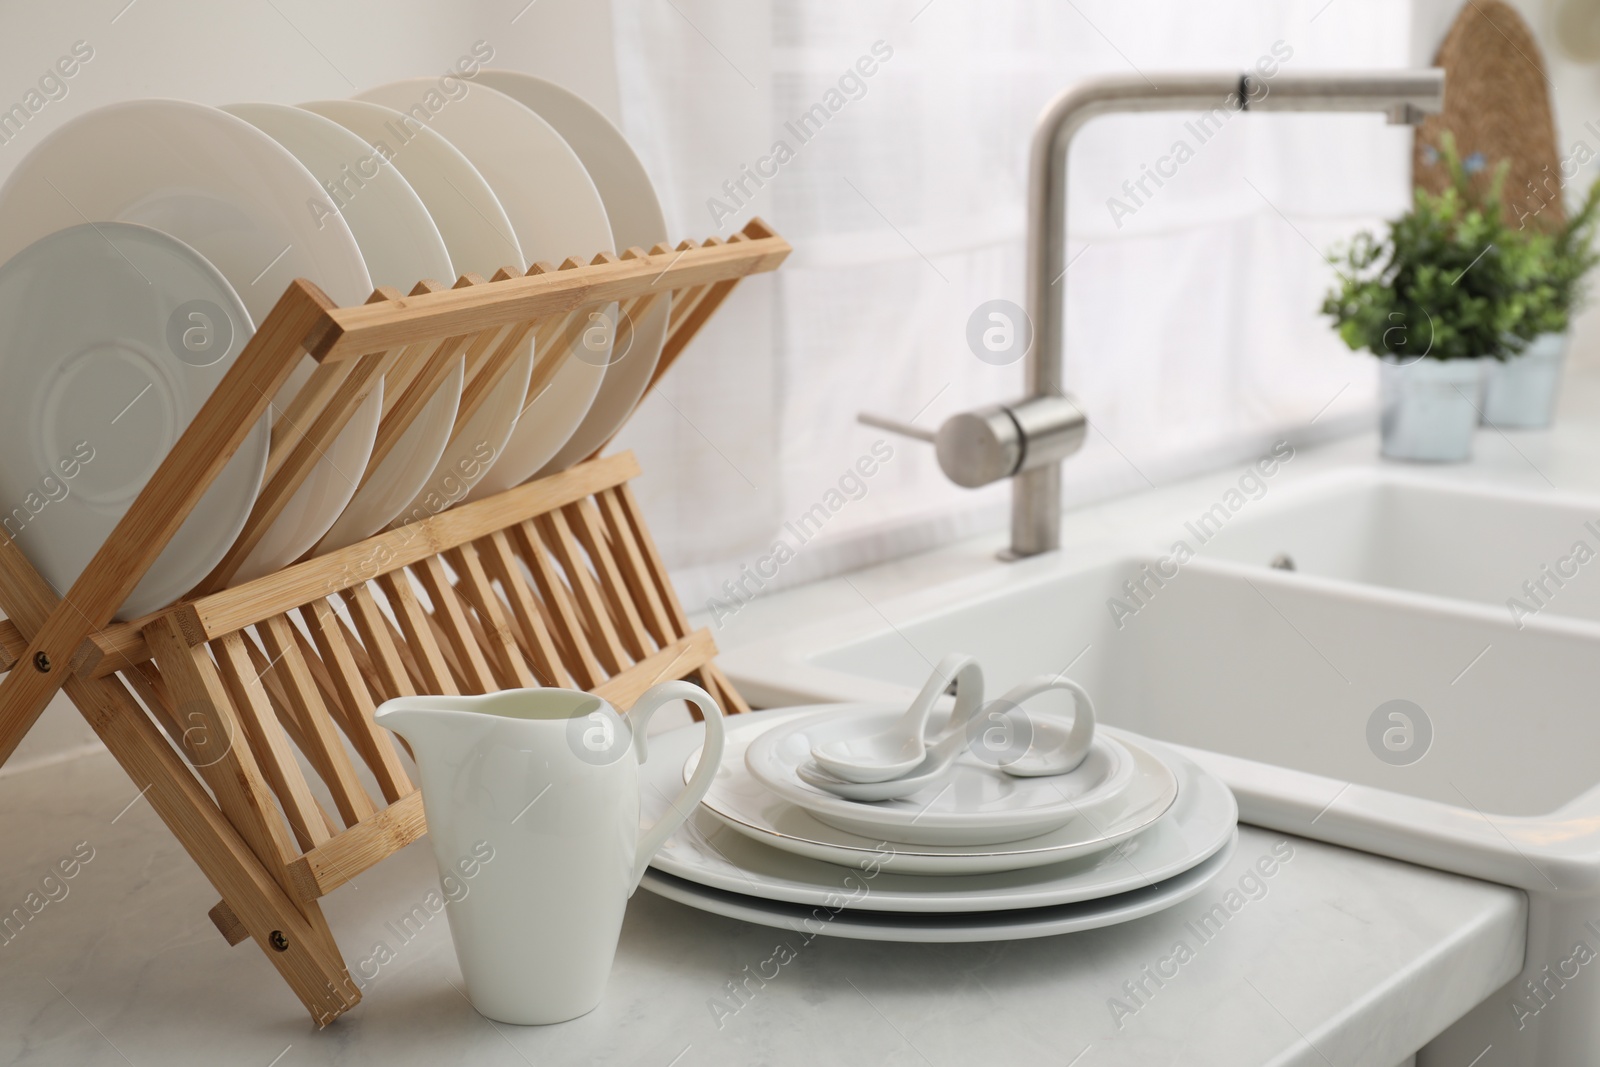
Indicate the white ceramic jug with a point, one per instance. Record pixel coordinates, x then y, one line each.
545 784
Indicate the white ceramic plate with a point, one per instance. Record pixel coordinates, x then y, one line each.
480 240
944 927
976 805
400 245
112 336
710 853
752 809
469 217
636 222
237 197
556 212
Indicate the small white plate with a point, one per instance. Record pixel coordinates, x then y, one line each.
400 245
636 222
556 213
112 336
710 853
480 240
238 198
944 927
752 809
976 804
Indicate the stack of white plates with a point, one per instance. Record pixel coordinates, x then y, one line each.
111 338
979 857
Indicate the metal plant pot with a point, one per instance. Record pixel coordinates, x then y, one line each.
1520 394
1429 408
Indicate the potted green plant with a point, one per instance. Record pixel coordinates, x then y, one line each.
1443 290
1520 393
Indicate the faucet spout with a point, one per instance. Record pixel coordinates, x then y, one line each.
1402 95
1027 440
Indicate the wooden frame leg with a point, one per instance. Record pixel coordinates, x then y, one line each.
299 947
296 941
203 706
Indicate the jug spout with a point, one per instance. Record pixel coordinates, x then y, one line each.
431 725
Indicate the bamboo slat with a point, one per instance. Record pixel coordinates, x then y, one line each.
448 617
365 330
269 742
353 704
326 749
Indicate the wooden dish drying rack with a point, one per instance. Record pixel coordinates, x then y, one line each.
210 704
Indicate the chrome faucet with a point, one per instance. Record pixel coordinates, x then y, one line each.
1028 439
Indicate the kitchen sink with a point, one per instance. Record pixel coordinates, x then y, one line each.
1287 672
1381 695
1523 552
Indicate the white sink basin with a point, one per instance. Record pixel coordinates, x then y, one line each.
1492 547
1283 682
1276 676
1283 671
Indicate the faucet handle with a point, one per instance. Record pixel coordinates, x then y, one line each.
974 447
904 429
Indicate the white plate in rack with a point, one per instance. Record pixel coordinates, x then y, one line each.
556 213
470 218
238 198
112 336
480 240
400 245
636 222
213 181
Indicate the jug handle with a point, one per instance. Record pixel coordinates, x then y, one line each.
683 805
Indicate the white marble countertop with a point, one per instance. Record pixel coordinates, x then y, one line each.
1346 959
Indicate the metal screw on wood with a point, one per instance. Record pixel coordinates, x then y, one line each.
41 662
278 941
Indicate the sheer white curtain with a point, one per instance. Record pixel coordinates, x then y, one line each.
1193 338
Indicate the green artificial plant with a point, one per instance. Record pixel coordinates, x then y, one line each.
1562 262
1447 280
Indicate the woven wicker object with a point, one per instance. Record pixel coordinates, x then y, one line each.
1497 102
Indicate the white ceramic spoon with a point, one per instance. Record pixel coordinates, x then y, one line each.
936 764
1052 748
901 749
